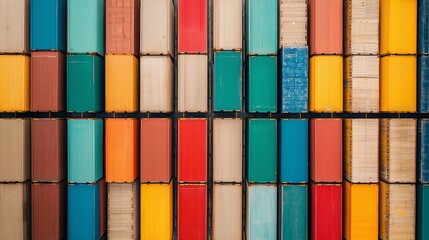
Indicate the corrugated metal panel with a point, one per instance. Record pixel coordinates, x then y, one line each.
192 26
422 218
423 83
227 24
422 150
192 212
293 23
262 84
398 150
423 27
227 150
294 210
14 26
227 212
14 150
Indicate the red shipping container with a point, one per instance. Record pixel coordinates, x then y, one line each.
155 150
326 211
103 207
326 27
192 216
326 150
192 150
48 150
192 29
48 81
48 206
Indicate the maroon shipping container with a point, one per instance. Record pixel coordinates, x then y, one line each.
192 26
48 150
48 210
192 218
122 27
48 81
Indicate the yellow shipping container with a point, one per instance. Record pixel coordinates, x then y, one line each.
326 84
14 83
156 211
121 83
398 27
360 211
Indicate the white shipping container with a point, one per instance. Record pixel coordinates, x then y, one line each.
227 211
293 23
14 26
227 18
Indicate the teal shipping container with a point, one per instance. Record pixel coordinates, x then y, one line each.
261 27
85 150
85 26
48 25
294 212
422 211
85 83
262 150
227 89
262 84
293 151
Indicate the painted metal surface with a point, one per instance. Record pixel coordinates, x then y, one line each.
293 16
262 84
227 24
294 212
14 26
423 83
227 211
422 150
192 212
423 27
422 211
192 26
227 81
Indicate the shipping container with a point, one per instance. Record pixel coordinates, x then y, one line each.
227 212
293 23
294 212
397 211
156 149
122 83
14 28
261 212
262 84
423 83
192 26
326 26
48 85
227 91
398 27
422 150
398 84
156 217
85 139
422 211
227 149
85 83
122 154
48 150
15 220
192 150
293 150
14 150
48 25
261 150
122 27
192 85
326 150
261 27
123 210
361 84
227 24
14 83
398 150
192 212
361 27
360 142
294 79
326 211
48 210
85 26
423 27
360 211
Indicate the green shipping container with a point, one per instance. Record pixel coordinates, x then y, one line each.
262 151
422 211
262 84
227 81
294 212
85 83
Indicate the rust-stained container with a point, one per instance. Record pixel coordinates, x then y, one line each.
122 27
192 212
48 85
48 150
227 211
48 210
227 24
156 149
326 150
326 26
14 150
192 26
15 26
293 23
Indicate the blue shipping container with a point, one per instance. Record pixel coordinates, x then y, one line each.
294 213
423 27
423 83
423 151
262 212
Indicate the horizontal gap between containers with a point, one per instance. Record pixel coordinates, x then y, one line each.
361 55
15 53
47 50
86 54
399 54
360 183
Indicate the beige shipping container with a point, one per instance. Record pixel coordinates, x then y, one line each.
227 211
397 211
192 83
15 220
14 150
227 150
156 27
361 150
227 21
293 23
398 150
14 26
156 84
